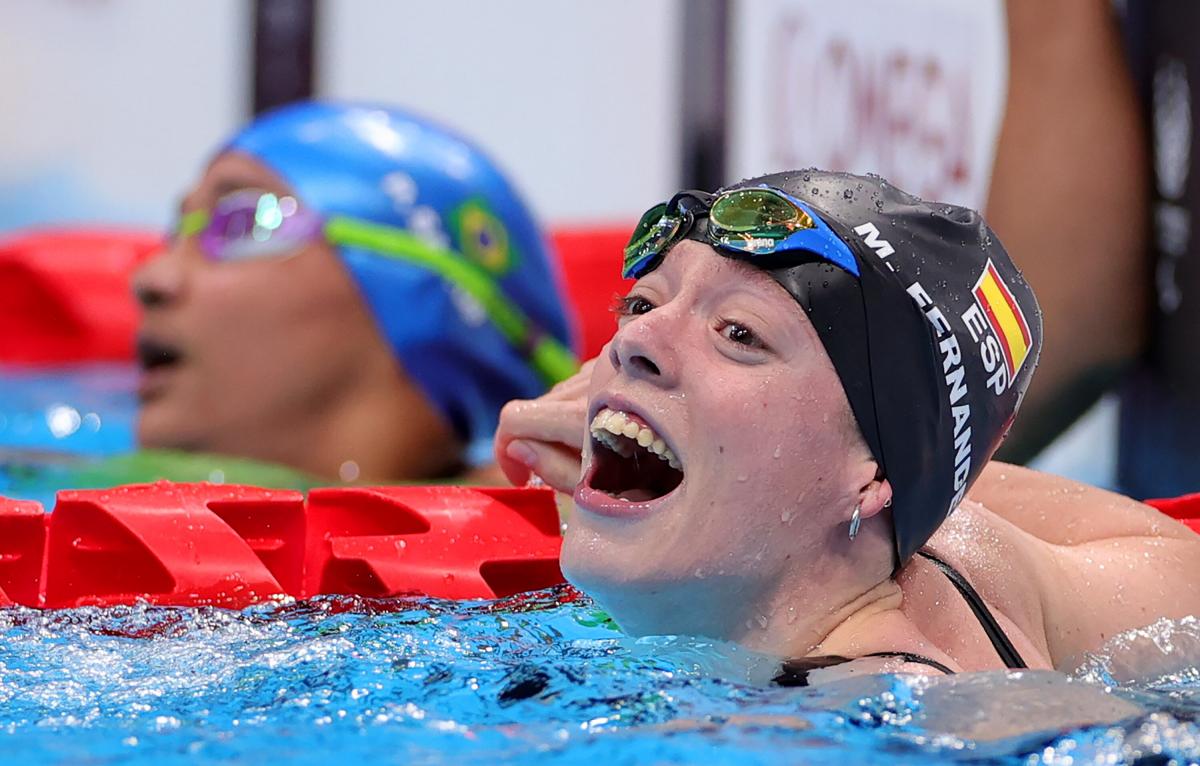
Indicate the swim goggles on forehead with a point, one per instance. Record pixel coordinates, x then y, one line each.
251 224
748 223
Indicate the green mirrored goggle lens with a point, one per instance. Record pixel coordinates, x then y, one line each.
755 219
653 232
645 228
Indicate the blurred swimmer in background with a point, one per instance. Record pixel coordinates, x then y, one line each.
351 291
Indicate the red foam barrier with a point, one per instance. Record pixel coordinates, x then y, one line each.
65 296
591 265
231 546
65 293
450 542
180 544
1185 508
22 543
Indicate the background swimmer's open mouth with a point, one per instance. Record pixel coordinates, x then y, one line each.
152 354
630 462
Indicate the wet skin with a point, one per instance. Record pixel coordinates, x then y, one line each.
720 362
275 358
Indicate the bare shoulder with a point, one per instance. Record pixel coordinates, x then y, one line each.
1066 512
1105 563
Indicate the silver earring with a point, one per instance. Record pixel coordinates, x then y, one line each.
887 503
855 521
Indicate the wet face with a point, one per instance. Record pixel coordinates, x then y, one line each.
237 355
723 461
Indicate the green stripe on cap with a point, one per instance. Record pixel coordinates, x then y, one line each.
552 360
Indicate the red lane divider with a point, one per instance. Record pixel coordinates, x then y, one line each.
65 294
22 547
231 546
450 541
1185 508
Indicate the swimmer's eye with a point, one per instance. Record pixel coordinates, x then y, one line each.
632 305
740 334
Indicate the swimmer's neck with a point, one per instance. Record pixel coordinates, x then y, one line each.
827 614
839 631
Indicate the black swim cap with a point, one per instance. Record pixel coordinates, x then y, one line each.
935 342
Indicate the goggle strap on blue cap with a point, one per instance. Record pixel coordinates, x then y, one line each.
552 360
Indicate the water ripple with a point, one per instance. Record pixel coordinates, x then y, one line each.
542 678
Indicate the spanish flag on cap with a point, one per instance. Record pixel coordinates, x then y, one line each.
1005 317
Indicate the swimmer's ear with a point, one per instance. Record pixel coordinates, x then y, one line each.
874 497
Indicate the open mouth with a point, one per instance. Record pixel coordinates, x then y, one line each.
153 355
630 461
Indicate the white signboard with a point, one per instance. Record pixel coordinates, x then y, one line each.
913 91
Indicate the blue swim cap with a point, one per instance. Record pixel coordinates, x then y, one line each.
466 348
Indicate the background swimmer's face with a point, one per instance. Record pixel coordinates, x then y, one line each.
254 357
722 365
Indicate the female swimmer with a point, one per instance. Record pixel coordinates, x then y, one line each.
353 292
810 372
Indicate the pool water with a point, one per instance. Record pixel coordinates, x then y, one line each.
534 679
540 678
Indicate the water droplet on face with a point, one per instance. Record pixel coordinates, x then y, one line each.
778 451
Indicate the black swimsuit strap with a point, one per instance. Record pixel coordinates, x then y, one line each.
918 659
795 671
1008 653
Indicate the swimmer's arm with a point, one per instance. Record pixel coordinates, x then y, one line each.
1068 513
1114 564
1106 587
1068 199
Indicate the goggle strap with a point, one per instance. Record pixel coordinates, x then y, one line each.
191 224
552 360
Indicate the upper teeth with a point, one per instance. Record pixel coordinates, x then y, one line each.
609 426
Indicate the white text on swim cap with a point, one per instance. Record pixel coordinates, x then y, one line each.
989 348
871 238
956 385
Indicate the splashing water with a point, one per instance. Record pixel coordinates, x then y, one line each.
541 678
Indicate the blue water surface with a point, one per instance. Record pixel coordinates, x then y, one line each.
533 679
85 409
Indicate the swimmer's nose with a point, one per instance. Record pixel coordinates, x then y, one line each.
159 280
639 350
